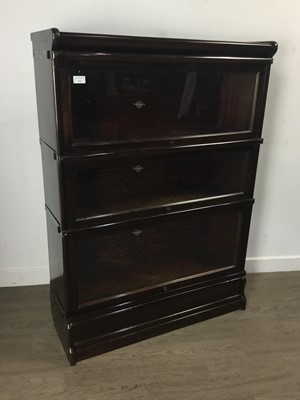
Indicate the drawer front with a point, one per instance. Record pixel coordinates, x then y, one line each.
127 259
106 186
107 102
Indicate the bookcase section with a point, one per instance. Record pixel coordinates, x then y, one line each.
149 149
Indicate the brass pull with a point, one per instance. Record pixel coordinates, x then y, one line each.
137 232
138 168
139 104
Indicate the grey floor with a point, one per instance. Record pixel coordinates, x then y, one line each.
245 355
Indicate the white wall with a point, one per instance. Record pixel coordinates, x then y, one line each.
275 232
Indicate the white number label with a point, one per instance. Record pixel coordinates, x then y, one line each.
79 79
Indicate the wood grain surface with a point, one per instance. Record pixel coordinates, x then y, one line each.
245 355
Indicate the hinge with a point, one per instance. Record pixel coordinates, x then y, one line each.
56 157
69 326
62 233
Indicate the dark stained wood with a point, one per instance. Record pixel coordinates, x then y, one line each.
156 253
172 309
45 95
150 150
62 328
56 263
51 172
111 328
156 100
58 67
100 186
96 43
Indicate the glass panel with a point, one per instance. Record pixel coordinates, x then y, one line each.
138 103
131 183
123 259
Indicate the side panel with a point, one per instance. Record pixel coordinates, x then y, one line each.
46 102
51 173
58 282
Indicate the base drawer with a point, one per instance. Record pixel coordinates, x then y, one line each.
159 311
105 330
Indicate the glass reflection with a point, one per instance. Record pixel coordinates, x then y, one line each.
117 105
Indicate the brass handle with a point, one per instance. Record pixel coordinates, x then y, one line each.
139 104
138 168
137 232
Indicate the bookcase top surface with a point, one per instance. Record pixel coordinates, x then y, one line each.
53 39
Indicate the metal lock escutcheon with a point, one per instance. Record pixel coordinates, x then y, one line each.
139 104
138 168
137 232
